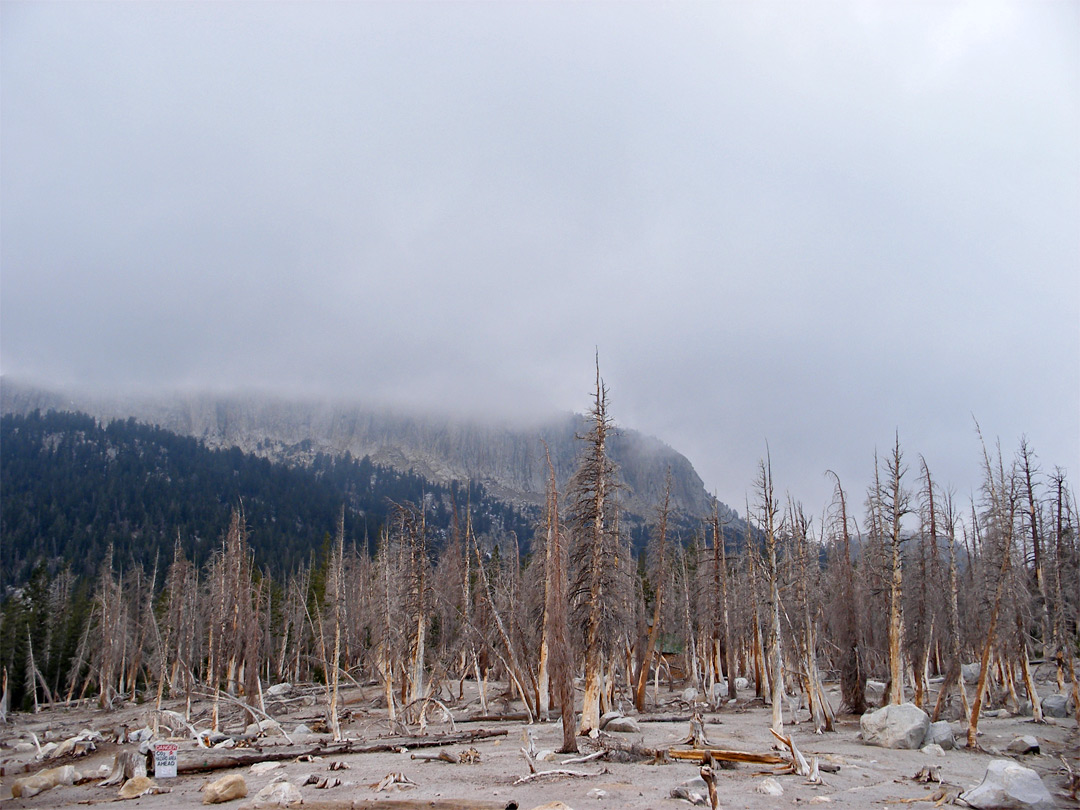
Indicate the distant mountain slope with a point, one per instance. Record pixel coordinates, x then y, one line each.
73 487
508 460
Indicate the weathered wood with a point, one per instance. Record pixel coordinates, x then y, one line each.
213 760
398 804
494 718
723 755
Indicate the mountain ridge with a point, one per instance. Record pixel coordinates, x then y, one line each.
509 460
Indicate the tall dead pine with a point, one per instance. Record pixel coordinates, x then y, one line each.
594 553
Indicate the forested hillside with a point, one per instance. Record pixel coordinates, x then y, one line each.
73 487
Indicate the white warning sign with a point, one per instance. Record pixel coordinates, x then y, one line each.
165 759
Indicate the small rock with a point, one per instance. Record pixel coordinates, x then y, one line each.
136 786
970 673
1009 786
553 806
225 789
278 794
769 787
597 793
690 694
302 729
940 733
623 725
820 800
895 726
546 755
25 747
933 750
1024 745
279 689
742 683
265 728
694 791
260 768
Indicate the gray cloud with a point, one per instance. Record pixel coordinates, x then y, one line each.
812 225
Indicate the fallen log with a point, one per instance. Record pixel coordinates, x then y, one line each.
513 717
202 761
724 755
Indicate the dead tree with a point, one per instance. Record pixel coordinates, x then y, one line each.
768 523
556 645
594 553
720 583
658 596
852 677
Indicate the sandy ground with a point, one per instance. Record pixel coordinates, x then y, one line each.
867 776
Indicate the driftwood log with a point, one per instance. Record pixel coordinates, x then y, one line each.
724 755
214 760
398 804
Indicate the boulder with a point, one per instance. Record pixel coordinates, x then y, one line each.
279 690
278 794
940 733
1024 745
874 691
1055 706
624 725
933 750
225 789
742 683
895 726
970 673
264 728
607 717
1009 786
690 694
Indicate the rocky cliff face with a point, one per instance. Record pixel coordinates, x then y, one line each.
507 459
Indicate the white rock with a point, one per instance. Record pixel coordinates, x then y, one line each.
279 689
1009 786
895 726
933 750
265 767
224 789
690 694
597 793
607 717
742 683
769 787
278 794
302 729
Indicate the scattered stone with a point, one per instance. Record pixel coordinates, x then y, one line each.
44 780
278 794
553 806
279 690
1009 786
690 694
1025 744
742 683
225 789
597 793
1025 709
896 726
693 790
940 733
25 747
875 691
769 787
820 800
260 768
970 673
933 750
302 729
623 725
136 786
1055 706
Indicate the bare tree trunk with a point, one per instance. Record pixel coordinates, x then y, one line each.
769 510
721 573
661 576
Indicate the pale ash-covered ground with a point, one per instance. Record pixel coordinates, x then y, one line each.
867 776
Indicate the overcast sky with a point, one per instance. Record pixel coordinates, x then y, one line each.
807 224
